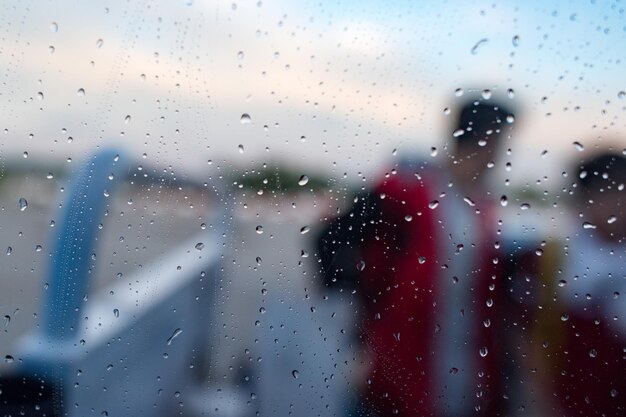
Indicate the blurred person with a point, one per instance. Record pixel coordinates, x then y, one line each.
582 319
420 250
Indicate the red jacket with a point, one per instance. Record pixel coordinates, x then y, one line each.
432 301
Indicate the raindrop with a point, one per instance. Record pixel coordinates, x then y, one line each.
515 41
504 201
80 92
9 359
116 313
40 95
469 201
303 180
454 371
259 229
621 95
7 320
483 351
174 335
360 265
477 45
295 373
458 92
127 119
611 219
593 353
421 260
51 49
458 133
510 93
510 119
588 225
486 94
240 55
579 146
258 260
304 229
408 218
433 204
38 248
22 203
245 119
199 246
9 250
54 27
240 148
99 43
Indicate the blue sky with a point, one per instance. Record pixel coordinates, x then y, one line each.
328 85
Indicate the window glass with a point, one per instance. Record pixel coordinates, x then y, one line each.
312 208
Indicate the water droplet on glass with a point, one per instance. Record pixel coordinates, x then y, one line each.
240 55
408 218
469 201
504 201
258 260
458 92
80 92
515 41
510 119
54 27
174 335
621 95
433 204
458 133
593 353
51 49
9 359
22 203
295 373
245 119
579 146
38 248
304 230
99 43
127 119
477 45
303 180
116 313
486 94
259 229
588 225
454 371
483 351
360 265
199 246
421 260
240 148
9 250
611 219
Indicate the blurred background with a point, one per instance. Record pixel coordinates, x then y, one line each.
244 127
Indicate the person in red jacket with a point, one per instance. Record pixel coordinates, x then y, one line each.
424 242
